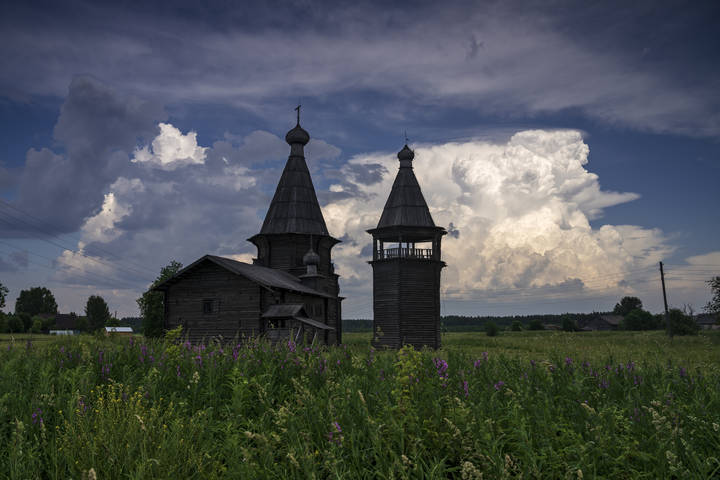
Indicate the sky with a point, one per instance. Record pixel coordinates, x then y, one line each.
567 147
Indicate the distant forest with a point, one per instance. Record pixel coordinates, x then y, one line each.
460 323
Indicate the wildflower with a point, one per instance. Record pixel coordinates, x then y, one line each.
568 361
532 363
335 436
465 388
291 346
195 378
499 385
441 366
37 417
683 372
177 368
604 383
485 356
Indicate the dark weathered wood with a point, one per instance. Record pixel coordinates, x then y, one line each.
406 280
236 294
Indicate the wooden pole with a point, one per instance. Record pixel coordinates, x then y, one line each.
662 280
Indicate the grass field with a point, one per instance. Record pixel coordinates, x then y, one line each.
536 405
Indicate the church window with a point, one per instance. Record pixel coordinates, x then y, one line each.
208 306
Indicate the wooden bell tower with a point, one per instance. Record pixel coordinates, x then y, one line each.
406 266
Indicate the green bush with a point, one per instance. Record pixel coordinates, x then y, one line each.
36 326
639 320
516 326
536 324
568 324
681 323
491 329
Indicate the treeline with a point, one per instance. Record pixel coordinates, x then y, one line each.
462 323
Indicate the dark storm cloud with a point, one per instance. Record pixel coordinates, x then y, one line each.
367 174
507 59
97 129
14 261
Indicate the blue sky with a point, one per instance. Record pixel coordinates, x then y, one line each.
571 145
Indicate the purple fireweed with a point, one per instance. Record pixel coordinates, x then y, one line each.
568 361
466 389
604 383
37 417
498 386
683 372
335 435
441 366
532 363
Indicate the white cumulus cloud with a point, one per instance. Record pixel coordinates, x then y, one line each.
521 216
171 149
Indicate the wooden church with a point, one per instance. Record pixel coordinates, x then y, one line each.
291 288
406 266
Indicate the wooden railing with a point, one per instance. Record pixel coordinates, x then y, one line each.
405 253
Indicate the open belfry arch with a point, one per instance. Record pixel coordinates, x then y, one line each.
406 266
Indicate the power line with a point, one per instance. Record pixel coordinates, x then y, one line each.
48 232
135 272
83 276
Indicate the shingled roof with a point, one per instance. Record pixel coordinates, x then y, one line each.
406 205
295 208
268 277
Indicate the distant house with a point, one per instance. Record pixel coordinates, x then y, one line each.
61 332
600 322
707 321
66 321
123 331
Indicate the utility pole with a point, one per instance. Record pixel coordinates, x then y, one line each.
662 279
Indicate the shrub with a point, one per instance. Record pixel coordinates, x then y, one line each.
681 324
638 320
568 324
536 324
516 326
36 325
491 329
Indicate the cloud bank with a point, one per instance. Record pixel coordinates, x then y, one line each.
519 215
485 57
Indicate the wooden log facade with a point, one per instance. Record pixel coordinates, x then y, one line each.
406 278
221 298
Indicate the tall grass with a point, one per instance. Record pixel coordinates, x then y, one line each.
125 408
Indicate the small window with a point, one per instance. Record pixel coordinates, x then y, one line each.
208 306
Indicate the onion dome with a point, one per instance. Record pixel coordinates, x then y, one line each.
311 258
297 135
406 157
405 154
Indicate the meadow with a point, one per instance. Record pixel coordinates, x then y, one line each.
523 404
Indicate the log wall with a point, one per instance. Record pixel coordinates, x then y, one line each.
236 304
